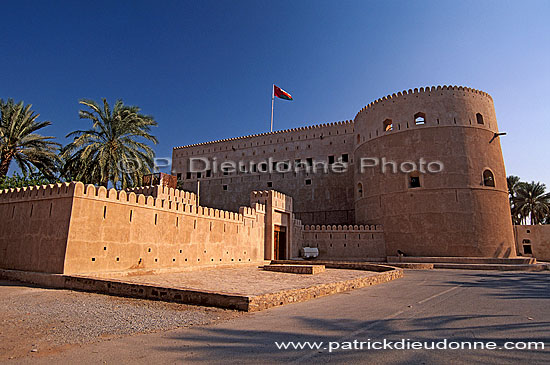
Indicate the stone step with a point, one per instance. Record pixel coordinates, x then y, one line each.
500 267
464 260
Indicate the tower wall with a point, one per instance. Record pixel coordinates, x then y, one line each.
452 213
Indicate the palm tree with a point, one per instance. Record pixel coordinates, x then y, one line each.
532 201
512 182
110 151
19 142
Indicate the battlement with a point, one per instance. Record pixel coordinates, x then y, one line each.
37 192
340 228
292 130
422 91
163 191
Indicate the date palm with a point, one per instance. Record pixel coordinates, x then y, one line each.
114 149
532 201
19 142
512 182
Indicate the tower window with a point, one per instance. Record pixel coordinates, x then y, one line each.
527 250
360 190
345 157
414 181
488 178
388 125
358 138
479 118
269 184
225 187
420 118
308 181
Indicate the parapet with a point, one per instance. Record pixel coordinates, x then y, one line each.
38 192
344 228
312 127
422 91
276 198
164 192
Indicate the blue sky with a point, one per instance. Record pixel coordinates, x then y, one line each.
204 69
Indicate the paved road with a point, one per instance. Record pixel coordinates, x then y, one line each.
423 306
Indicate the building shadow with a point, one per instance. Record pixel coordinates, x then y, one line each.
517 285
224 345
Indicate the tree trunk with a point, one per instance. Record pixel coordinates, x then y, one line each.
5 161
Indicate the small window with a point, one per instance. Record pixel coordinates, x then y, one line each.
388 125
309 161
414 181
479 118
208 173
358 138
527 250
199 175
526 241
330 160
488 178
179 176
225 187
308 181
269 184
420 118
188 175
345 157
360 190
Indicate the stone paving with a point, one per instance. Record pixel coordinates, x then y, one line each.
248 280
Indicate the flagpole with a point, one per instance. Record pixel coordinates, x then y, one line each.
272 100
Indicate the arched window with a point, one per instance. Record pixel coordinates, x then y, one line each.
479 118
360 190
388 125
420 118
488 178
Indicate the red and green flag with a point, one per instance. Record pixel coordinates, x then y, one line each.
281 94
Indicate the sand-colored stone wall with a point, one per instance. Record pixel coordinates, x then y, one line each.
346 242
34 225
72 228
331 192
536 236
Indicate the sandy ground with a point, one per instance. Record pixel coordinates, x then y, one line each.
35 321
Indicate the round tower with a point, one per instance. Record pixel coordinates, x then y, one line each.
429 168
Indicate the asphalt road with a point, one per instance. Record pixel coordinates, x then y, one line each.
424 306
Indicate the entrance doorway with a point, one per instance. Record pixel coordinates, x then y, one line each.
279 243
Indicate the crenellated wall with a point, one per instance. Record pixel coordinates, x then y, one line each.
331 192
72 228
115 231
358 242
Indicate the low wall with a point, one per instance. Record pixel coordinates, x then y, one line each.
535 237
346 242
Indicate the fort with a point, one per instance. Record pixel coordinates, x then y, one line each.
315 186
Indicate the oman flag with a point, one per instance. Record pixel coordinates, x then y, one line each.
280 93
